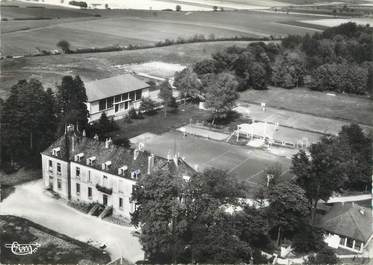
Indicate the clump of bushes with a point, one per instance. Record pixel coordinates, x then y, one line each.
81 4
148 106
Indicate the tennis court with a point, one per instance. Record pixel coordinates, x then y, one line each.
243 162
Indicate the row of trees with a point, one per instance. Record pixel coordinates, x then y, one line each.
340 59
32 117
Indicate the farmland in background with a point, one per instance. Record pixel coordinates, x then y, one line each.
101 28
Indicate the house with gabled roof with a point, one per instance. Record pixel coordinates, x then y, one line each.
348 226
115 95
81 169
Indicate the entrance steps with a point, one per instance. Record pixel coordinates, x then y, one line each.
93 209
106 212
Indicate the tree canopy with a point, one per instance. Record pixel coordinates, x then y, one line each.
221 95
185 220
71 101
28 121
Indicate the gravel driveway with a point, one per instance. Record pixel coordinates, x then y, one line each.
30 201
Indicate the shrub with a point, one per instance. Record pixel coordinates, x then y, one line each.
148 106
64 46
324 256
133 114
124 142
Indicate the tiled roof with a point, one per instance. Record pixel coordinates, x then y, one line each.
113 86
119 156
348 220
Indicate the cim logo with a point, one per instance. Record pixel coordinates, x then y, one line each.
23 249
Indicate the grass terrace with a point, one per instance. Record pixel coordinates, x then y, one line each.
55 247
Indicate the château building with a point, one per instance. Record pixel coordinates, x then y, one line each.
81 169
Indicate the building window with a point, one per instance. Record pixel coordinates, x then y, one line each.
102 104
132 95
90 193
120 186
138 94
59 168
77 189
50 163
358 245
89 177
77 172
350 242
110 102
117 99
104 181
59 184
120 203
124 96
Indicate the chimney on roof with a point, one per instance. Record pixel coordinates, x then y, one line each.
168 155
135 154
108 143
150 163
70 128
176 159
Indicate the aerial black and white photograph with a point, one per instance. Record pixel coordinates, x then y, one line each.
186 132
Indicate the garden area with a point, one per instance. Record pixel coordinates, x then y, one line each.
55 247
158 123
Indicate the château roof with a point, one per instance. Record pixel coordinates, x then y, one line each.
112 86
118 156
350 220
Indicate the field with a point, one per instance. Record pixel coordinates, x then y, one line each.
341 107
50 69
247 164
55 247
82 29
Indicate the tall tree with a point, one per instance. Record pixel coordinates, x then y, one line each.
158 213
221 95
321 173
185 220
166 94
188 83
29 121
356 153
287 209
72 99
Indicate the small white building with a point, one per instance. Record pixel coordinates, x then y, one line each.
85 170
115 95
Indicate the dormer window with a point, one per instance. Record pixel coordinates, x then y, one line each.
56 151
91 161
106 165
122 170
135 174
79 157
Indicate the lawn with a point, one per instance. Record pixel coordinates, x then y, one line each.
126 27
8 181
55 247
342 107
158 123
